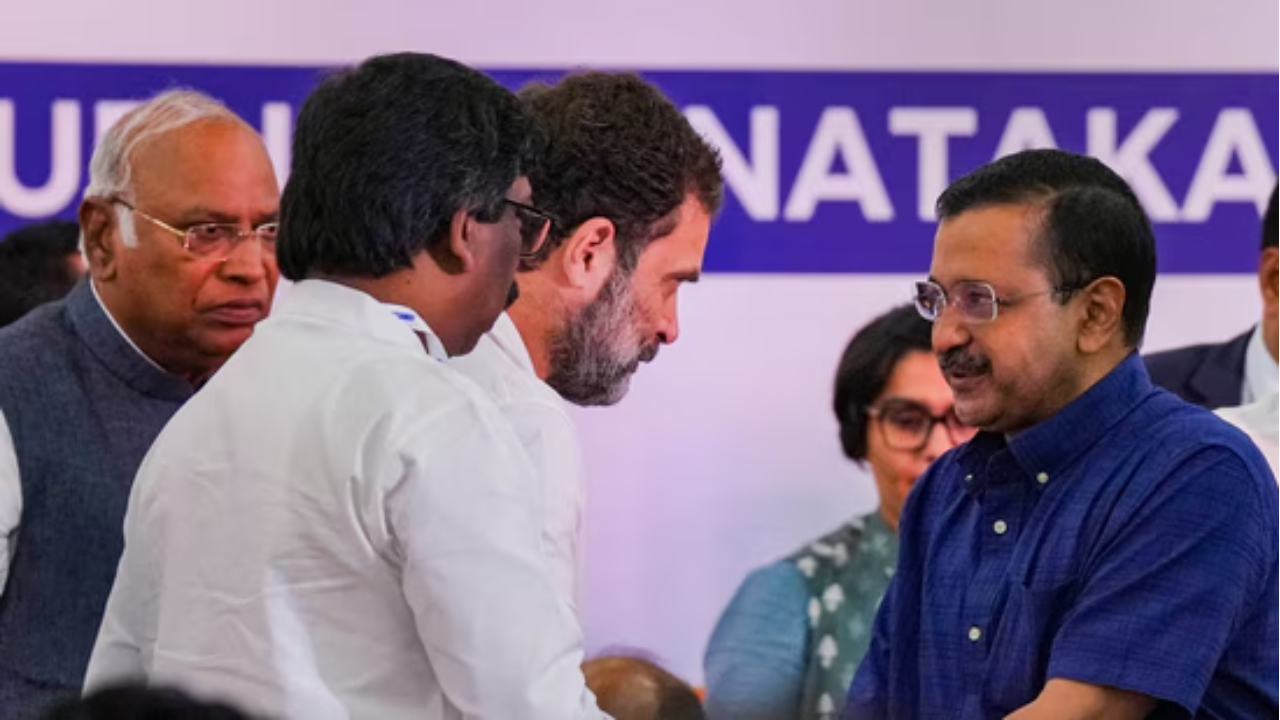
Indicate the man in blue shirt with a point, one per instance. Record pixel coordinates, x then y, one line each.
1101 549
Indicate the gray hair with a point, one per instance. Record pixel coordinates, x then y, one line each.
111 169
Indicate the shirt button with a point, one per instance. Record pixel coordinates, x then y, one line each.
1001 527
1042 478
975 633
968 478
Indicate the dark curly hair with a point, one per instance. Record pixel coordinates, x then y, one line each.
386 153
616 147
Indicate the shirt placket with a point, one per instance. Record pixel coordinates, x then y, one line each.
1000 520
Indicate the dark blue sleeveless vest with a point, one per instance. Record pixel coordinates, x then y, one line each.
83 407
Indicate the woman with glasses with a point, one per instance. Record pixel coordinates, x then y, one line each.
790 641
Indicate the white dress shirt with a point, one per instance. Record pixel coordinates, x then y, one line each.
338 525
501 366
11 481
1260 420
1260 370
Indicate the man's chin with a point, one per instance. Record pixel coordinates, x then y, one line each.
974 413
615 394
599 396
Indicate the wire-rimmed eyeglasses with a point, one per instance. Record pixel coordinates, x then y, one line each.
210 241
977 301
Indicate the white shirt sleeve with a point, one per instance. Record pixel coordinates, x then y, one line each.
10 501
464 520
122 652
550 439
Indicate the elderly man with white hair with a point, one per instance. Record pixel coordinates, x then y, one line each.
178 231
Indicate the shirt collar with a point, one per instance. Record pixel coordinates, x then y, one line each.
431 341
358 311
506 336
93 288
1260 370
1044 449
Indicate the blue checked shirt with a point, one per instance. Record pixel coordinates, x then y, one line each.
1129 541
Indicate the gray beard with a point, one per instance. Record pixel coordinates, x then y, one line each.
593 358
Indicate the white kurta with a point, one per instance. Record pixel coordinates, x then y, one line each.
501 366
339 525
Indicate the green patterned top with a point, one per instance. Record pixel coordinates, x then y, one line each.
846 573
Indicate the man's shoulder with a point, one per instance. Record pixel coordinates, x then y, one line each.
35 332
403 380
431 405
502 378
1168 443
35 343
1169 425
362 393
1172 367
486 365
348 374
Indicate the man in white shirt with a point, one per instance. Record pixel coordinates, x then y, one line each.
630 189
1242 370
340 525
178 232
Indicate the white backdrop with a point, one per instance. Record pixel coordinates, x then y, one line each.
725 454
769 34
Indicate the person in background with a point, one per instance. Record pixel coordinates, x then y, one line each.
340 525
1259 417
38 264
632 688
629 189
1101 548
1242 370
179 227
788 644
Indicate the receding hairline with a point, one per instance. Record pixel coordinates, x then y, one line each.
111 164
232 123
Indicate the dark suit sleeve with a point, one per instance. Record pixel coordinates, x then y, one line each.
1171 368
1210 376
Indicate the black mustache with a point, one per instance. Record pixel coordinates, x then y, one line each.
959 361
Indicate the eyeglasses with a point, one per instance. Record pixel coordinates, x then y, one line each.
977 301
908 425
211 241
535 226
